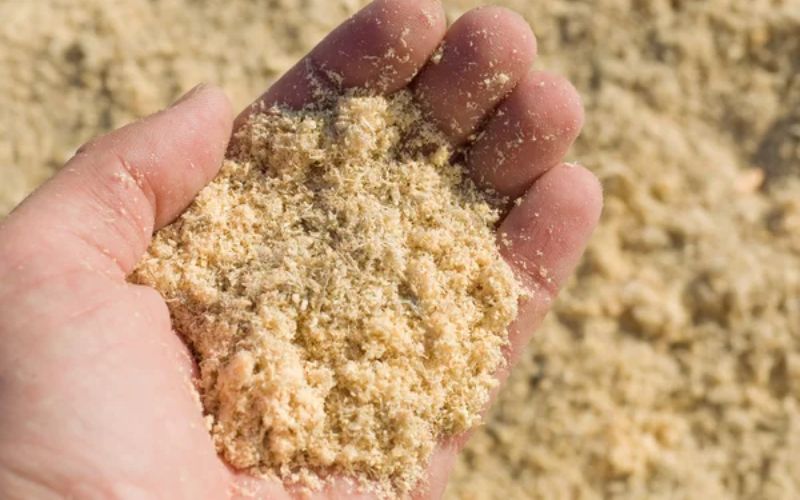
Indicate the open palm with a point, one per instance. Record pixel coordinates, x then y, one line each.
95 387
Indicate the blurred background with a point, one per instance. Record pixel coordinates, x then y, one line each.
671 365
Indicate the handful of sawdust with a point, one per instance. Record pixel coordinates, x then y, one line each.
340 287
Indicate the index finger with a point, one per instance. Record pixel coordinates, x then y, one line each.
381 48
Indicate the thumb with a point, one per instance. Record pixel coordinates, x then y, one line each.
101 209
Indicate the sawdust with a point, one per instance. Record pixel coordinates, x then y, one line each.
669 369
341 289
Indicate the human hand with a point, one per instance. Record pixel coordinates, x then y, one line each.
95 386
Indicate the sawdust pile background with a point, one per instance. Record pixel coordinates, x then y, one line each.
671 366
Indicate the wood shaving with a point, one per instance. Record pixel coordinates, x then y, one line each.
341 288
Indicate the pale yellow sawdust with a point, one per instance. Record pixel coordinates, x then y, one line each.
681 98
340 286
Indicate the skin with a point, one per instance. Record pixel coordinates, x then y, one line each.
94 384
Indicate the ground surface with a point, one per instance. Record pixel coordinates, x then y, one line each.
671 367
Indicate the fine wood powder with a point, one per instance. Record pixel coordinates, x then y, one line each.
341 289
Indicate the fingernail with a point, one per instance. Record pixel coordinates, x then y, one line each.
188 95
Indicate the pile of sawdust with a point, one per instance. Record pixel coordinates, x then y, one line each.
669 369
341 289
